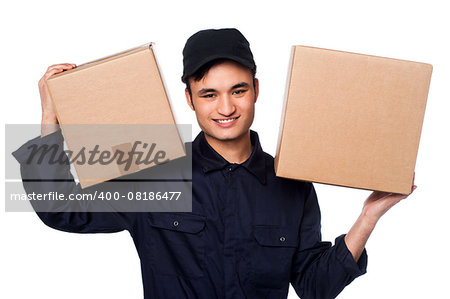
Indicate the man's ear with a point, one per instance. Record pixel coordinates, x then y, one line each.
189 99
256 85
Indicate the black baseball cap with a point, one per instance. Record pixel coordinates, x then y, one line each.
211 44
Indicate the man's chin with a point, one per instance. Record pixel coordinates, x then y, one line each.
226 137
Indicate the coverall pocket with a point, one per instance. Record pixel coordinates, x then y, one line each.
177 244
274 249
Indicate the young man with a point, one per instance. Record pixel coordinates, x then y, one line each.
250 233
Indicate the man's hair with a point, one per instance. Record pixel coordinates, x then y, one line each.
204 69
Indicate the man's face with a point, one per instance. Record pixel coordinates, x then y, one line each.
224 101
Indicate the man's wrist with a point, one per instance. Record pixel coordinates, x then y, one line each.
49 119
367 222
49 124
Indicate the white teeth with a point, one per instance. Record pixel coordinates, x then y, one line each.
223 121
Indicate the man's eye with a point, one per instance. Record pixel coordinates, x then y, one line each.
239 91
209 95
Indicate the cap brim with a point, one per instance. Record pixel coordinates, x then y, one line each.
219 56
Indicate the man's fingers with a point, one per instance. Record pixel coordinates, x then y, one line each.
403 196
62 66
57 69
52 72
68 65
378 194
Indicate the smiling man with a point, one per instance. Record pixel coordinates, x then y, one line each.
225 105
250 233
267 229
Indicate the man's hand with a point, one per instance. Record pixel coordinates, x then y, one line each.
374 207
379 203
49 122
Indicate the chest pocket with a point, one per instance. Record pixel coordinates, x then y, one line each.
274 249
177 244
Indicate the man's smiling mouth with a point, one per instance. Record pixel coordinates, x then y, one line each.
224 121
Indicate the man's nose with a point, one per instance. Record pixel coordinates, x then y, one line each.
226 106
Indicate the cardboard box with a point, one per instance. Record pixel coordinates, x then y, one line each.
352 120
113 103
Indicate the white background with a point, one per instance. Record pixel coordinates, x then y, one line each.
408 251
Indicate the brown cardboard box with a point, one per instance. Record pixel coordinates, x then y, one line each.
352 120
112 103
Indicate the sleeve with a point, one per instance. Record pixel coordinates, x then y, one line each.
41 175
321 271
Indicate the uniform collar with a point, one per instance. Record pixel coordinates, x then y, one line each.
210 160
